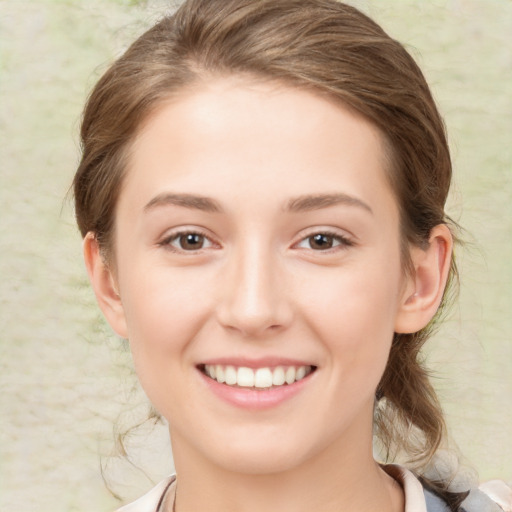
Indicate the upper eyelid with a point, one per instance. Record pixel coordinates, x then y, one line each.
342 241
344 236
171 235
173 232
345 241
337 233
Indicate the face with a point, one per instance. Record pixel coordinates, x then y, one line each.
257 242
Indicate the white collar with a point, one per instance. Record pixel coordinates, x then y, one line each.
413 490
151 500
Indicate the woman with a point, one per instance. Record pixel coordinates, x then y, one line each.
261 195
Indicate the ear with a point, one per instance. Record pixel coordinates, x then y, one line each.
104 285
423 290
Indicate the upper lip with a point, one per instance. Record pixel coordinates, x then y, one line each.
261 362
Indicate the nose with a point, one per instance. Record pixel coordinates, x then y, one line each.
255 300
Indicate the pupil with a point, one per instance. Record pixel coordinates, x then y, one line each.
321 241
191 241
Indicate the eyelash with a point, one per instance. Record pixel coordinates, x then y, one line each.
167 241
342 241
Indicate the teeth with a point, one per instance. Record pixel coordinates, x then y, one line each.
278 376
245 377
300 373
263 378
289 376
260 378
230 375
220 375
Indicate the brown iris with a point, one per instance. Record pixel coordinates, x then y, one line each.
321 241
191 241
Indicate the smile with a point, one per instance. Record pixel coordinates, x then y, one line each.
256 378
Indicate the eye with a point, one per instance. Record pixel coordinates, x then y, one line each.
323 241
188 241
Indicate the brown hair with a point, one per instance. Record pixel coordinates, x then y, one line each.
321 45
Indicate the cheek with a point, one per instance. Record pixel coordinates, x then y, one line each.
353 299
163 313
161 303
354 315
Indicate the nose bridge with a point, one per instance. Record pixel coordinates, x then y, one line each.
254 298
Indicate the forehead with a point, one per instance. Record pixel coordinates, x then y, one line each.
239 136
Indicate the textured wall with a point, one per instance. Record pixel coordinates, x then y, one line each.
64 379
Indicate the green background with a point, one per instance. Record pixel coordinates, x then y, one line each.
65 380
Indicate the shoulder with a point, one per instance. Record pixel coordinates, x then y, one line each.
150 502
434 503
476 501
493 496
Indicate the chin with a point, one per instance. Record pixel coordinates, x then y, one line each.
264 462
261 453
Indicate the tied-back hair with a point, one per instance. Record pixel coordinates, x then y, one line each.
330 49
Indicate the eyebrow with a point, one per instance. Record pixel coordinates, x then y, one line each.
294 205
191 201
319 201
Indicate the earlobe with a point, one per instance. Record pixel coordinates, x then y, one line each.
104 285
425 286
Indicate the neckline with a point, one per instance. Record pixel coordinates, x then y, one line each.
168 497
413 490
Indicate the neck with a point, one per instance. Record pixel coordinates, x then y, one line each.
328 482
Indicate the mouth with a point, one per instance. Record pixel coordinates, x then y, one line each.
263 378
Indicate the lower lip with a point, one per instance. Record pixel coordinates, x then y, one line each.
255 399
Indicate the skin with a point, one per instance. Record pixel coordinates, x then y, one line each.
257 286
